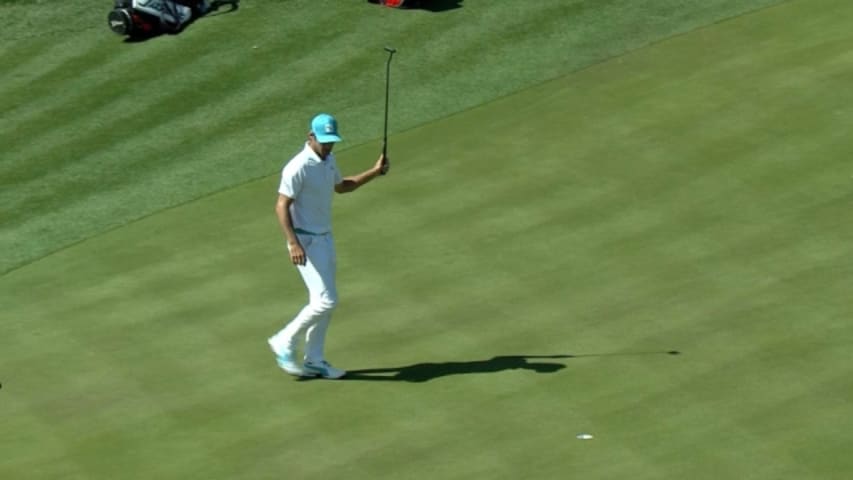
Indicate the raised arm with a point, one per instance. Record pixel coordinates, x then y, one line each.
352 183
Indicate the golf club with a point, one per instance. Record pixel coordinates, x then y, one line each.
391 51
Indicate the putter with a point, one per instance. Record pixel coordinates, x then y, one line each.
391 51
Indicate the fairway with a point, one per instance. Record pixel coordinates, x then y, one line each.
645 243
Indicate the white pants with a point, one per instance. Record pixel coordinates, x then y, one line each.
318 273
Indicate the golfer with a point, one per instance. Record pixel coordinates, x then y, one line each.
304 210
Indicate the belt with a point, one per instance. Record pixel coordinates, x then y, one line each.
306 232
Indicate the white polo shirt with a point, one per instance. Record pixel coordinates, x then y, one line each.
310 182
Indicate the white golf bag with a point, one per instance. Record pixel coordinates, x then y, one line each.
140 18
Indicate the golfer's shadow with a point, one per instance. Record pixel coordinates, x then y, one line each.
423 372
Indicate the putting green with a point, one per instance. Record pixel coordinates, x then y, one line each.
688 196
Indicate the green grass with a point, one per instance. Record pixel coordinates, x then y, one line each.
97 133
688 196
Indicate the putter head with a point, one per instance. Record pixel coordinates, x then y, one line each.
391 50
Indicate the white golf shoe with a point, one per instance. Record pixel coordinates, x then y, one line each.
285 362
323 369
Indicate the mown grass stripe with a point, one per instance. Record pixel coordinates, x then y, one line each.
405 31
628 248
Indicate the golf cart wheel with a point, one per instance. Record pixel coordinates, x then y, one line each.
120 21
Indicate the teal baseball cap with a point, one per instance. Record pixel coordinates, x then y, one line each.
325 128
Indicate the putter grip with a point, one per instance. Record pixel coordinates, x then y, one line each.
384 168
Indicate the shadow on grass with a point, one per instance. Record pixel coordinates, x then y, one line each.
216 7
430 5
423 372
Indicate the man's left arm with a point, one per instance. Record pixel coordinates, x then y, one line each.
352 183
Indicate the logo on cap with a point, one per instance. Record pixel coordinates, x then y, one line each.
330 128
